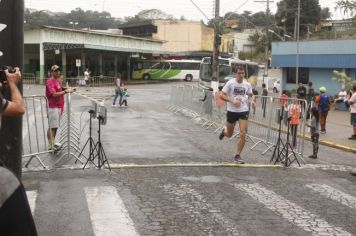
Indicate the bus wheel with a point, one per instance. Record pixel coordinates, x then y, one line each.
188 77
146 76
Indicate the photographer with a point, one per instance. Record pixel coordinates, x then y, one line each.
15 107
15 212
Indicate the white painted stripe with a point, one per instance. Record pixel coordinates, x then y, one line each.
291 211
334 194
108 213
32 196
192 202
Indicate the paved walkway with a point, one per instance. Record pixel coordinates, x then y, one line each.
338 130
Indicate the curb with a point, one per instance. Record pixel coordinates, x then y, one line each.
334 145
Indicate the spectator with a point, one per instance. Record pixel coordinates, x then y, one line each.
310 97
118 89
302 93
352 103
220 103
54 94
125 95
284 99
314 131
323 101
294 112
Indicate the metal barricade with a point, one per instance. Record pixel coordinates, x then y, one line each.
266 127
100 81
35 125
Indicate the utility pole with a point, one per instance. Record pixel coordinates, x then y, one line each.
265 73
297 55
217 42
11 46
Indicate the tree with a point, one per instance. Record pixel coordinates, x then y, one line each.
325 13
309 14
348 6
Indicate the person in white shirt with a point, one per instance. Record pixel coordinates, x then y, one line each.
352 103
236 93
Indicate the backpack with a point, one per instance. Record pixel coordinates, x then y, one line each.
324 103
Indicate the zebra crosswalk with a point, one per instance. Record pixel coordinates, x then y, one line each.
109 215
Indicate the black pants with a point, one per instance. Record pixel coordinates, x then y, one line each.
315 141
123 102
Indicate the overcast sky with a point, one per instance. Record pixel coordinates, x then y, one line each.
177 8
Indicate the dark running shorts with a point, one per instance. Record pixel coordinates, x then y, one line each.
232 117
353 118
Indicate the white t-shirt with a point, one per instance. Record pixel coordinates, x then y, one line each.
239 91
86 75
353 106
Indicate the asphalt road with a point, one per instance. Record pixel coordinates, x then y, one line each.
155 189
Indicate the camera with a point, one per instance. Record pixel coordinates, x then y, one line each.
2 73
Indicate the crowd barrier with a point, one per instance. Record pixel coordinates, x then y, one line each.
35 142
34 129
269 118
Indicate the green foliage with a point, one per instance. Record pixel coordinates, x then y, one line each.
325 13
345 81
309 14
85 19
248 55
348 6
259 40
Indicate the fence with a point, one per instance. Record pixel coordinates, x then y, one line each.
36 153
272 121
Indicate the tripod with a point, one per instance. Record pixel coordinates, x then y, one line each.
283 155
100 153
90 139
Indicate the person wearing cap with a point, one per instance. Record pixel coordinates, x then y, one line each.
352 103
55 96
323 101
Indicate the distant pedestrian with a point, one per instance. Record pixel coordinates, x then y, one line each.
323 101
302 93
236 93
124 96
294 112
118 90
352 103
310 97
87 77
264 99
284 99
314 131
220 103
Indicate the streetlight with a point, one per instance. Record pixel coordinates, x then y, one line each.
73 23
269 30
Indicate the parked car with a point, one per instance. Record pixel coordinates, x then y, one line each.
277 86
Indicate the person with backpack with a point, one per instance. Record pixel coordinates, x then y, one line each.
323 101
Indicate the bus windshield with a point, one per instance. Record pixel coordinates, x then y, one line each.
226 68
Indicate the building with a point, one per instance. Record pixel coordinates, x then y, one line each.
317 61
103 53
190 39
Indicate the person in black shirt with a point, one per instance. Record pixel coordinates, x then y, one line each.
302 93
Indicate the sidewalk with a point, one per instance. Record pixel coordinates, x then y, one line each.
338 130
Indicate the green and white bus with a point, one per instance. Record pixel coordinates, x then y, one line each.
226 68
165 69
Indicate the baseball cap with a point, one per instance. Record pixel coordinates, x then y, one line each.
55 67
322 89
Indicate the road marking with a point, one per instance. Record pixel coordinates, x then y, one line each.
193 202
334 194
291 211
108 213
196 164
32 196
